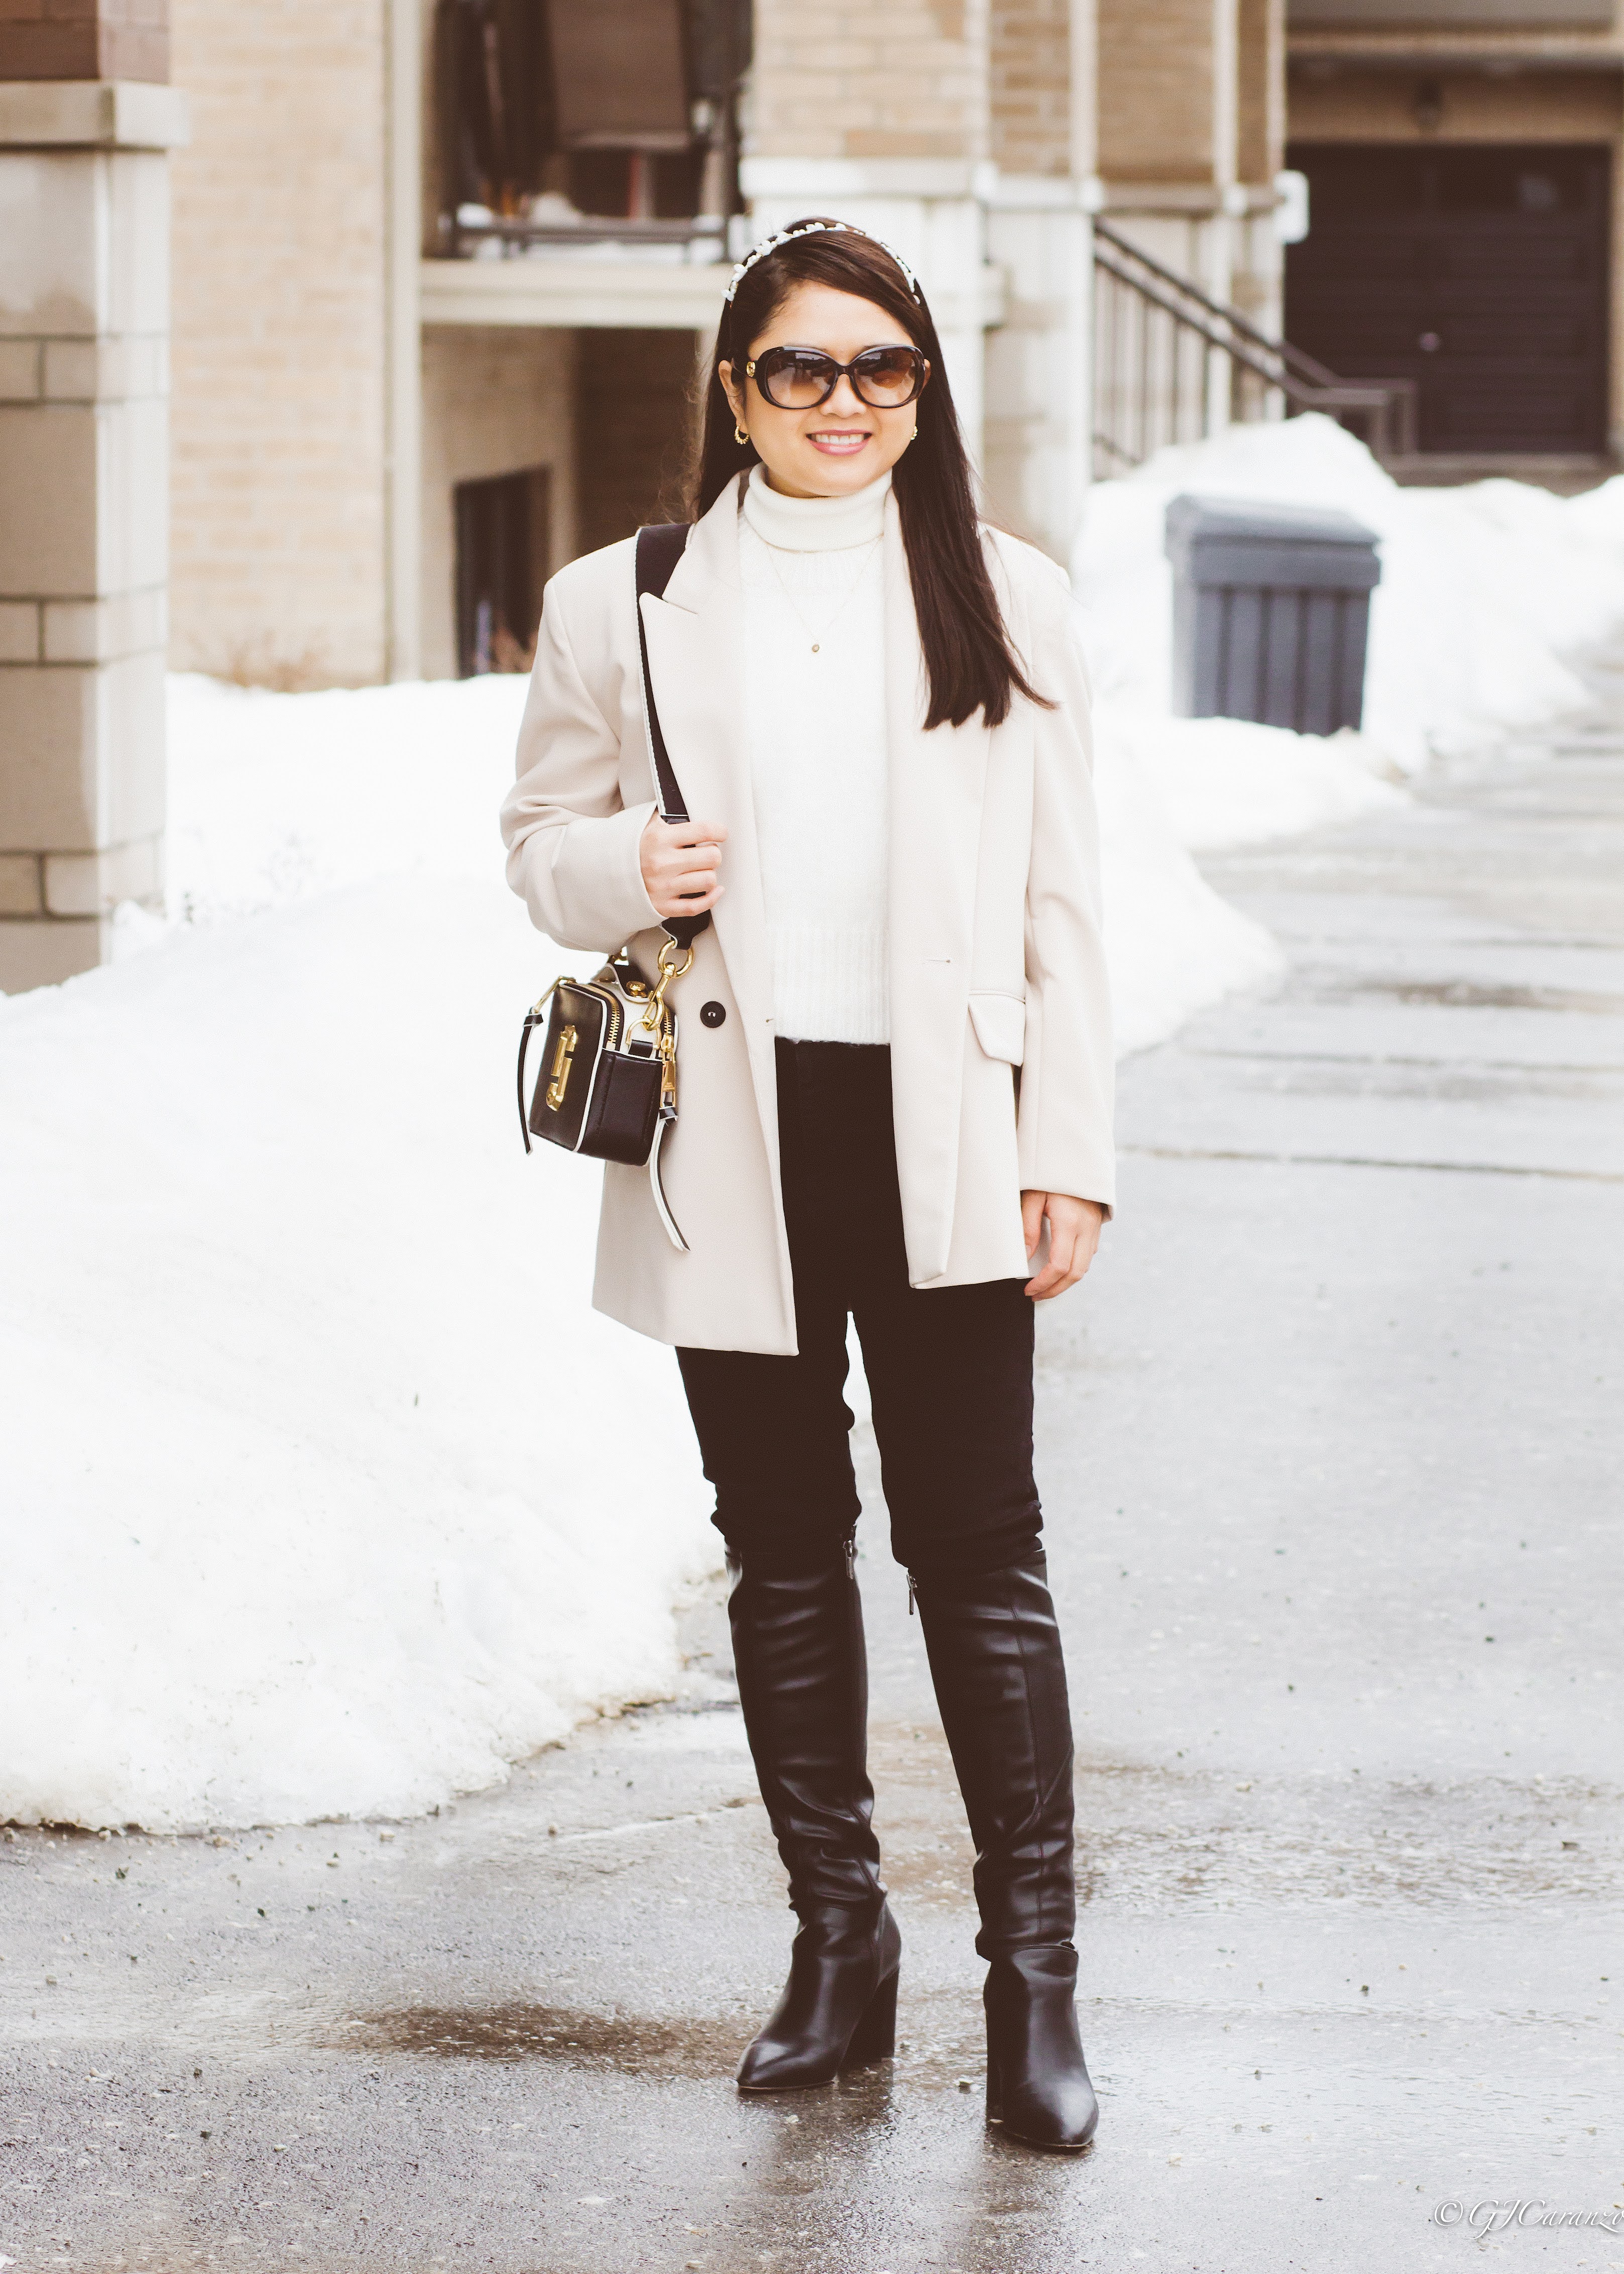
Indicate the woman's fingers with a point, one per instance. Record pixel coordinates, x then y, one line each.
688 839
686 890
1073 1236
688 856
680 865
691 880
686 904
1062 1241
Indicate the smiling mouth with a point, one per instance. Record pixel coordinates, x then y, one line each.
838 441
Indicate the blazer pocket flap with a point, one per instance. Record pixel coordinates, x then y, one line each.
1000 1022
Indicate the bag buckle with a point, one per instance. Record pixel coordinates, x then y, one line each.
656 1018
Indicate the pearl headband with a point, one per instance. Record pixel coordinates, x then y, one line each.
812 229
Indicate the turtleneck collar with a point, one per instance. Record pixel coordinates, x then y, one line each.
814 524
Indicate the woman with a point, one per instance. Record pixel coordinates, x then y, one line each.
895 1094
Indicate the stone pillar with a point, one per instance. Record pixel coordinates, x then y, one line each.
1039 234
84 482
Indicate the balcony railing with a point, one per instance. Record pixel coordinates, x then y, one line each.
1172 365
580 126
704 237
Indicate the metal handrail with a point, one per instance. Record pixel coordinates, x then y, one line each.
1171 401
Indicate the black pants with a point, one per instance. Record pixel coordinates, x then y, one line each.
949 1368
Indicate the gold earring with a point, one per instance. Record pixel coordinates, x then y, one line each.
740 436
912 434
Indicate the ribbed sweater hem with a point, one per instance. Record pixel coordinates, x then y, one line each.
831 984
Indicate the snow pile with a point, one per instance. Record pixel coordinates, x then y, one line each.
1222 782
1173 944
1491 594
302 1518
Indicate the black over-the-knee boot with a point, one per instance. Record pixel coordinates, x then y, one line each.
803 1684
1000 1681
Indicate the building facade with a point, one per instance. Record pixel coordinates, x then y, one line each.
1462 158
444 272
389 427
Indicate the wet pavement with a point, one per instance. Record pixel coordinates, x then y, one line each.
1330 1450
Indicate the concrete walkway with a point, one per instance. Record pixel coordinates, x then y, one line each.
1330 1448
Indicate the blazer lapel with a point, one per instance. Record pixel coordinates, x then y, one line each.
695 662
937 783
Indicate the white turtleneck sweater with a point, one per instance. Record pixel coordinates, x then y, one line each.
815 713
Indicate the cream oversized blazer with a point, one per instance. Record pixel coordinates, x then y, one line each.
995 957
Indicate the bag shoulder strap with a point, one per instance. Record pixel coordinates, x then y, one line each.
658 549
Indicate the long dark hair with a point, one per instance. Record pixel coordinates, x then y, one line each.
969 661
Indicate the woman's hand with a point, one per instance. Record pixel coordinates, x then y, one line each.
680 865
1073 1236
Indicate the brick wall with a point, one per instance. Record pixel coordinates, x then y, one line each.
905 80
84 38
634 431
1261 138
1156 90
1030 76
278 383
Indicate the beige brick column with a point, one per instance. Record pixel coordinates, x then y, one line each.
1039 233
84 512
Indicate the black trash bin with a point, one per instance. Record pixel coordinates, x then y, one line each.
1271 609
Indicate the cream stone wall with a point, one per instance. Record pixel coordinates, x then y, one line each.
279 341
495 400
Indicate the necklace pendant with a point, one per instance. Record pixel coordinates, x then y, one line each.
815 647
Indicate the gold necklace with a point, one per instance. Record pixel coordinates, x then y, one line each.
772 555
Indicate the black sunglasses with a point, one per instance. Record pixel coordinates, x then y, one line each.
800 378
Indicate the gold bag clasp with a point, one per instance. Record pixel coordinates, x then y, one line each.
563 1058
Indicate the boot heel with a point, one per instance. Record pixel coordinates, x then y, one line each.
995 2089
874 2037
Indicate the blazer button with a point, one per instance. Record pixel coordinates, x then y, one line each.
711 1014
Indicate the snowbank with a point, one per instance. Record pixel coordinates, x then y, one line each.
1174 946
301 1519
1489 593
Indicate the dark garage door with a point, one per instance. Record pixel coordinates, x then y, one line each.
1480 272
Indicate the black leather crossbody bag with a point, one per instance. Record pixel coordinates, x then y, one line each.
607 1082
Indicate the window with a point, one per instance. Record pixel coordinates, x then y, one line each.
501 565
